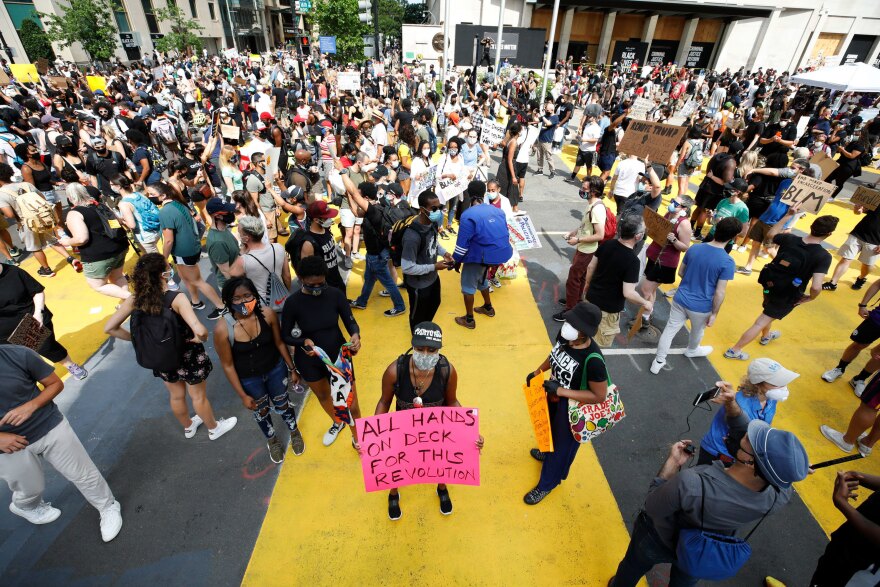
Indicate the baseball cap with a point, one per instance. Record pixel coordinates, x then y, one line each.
320 209
223 110
48 118
394 188
772 372
660 170
294 193
98 142
780 456
380 172
265 116
218 206
585 317
738 184
427 334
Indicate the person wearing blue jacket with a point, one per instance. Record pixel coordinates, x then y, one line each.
482 242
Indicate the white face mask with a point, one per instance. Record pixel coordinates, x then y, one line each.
472 141
395 164
326 223
569 332
779 394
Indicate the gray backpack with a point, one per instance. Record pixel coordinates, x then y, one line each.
277 291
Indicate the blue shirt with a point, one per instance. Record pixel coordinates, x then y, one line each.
777 209
705 266
546 134
713 441
470 154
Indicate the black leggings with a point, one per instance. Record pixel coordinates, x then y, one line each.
839 177
423 303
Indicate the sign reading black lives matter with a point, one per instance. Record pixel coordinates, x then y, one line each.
810 193
628 52
509 44
651 139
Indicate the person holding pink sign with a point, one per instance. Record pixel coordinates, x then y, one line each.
423 379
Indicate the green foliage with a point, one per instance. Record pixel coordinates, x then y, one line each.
391 17
414 13
35 40
183 36
339 18
87 22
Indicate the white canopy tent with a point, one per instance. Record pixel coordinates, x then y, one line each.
851 77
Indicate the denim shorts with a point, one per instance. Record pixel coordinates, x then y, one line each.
273 383
473 278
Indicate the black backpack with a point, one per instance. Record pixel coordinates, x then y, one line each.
294 247
778 276
108 218
157 340
390 216
395 237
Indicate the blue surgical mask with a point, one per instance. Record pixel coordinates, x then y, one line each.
672 207
314 290
436 216
640 187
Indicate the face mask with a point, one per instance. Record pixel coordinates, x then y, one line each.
472 141
425 361
314 290
584 194
246 308
779 394
436 217
493 196
569 332
395 164
640 187
672 207
783 123
326 223
453 152
426 152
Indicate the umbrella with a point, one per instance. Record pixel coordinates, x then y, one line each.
851 77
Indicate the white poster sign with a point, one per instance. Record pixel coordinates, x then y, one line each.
523 235
448 188
348 80
492 132
424 181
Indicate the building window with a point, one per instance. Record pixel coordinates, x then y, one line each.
21 10
212 11
152 23
121 17
192 9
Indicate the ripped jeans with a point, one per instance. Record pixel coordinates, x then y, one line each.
270 387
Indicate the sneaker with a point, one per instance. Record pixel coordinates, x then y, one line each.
172 285
858 386
538 455
836 437
463 321
774 334
496 283
859 283
357 305
864 450
15 252
276 451
535 496
45 272
78 371
740 249
445 502
832 375
357 257
44 513
700 351
216 313
667 190
394 312
76 264
485 311
394 512
224 425
10 262
297 444
670 293
111 521
384 293
828 286
743 271
561 301
347 263
732 354
191 431
450 230
199 306
657 366
539 172
331 435
551 176
559 316
763 255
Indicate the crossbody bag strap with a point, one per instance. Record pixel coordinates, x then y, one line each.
584 374
767 513
702 501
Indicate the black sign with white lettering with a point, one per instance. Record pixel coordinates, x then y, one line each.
626 53
662 52
698 55
128 40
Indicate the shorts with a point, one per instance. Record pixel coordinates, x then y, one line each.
855 247
871 395
36 241
272 217
520 169
865 333
606 161
348 219
195 366
191 261
759 231
658 273
587 158
473 278
103 268
609 327
777 308
325 167
685 170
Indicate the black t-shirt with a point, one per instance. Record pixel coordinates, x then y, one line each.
851 164
372 229
17 291
325 246
194 167
608 142
818 259
868 228
105 167
404 116
567 364
789 133
563 109
318 319
617 264
755 127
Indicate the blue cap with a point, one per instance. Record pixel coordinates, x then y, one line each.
780 456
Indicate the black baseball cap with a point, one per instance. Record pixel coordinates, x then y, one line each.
428 334
395 188
218 206
738 184
294 193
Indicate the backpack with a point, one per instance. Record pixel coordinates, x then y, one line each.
112 228
165 131
157 340
294 246
147 212
391 215
865 158
610 224
634 205
249 172
442 368
395 238
695 155
779 276
157 161
277 292
34 211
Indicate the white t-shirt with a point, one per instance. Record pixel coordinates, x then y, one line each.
263 103
526 140
592 132
379 135
627 175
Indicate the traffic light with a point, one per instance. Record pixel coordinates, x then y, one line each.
366 8
305 42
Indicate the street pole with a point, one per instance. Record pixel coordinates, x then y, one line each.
473 80
445 44
549 50
376 57
498 41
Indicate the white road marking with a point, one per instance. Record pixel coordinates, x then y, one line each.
609 352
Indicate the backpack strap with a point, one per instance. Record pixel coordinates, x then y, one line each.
230 327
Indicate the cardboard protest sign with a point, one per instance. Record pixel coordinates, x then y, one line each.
651 139
539 413
810 193
4 79
866 197
421 445
58 81
24 72
97 82
448 188
240 81
825 163
424 181
230 131
42 66
656 227
522 233
492 133
348 80
639 108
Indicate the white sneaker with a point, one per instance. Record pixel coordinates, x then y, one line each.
173 286
224 425
864 450
832 375
700 351
657 366
741 249
44 513
111 521
191 431
835 437
671 293
357 257
331 435
858 386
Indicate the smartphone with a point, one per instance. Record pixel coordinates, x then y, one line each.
706 395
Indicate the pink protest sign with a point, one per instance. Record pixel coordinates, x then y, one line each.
422 445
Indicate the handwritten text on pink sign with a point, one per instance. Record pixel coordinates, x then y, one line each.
422 445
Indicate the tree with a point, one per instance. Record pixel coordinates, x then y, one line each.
35 40
415 13
87 22
339 18
391 17
183 36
